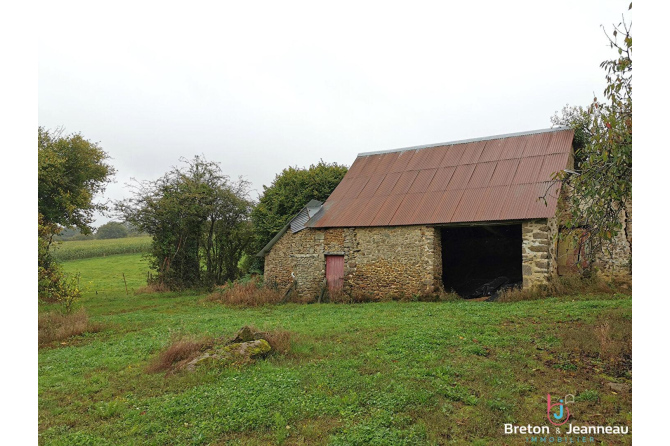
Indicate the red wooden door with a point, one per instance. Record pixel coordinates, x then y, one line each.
335 272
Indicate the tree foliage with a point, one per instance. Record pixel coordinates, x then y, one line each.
599 190
290 191
199 222
110 230
71 171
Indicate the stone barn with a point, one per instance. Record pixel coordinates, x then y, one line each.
456 215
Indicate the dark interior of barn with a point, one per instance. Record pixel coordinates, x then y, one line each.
474 256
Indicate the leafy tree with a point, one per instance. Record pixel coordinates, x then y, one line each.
199 221
71 171
599 190
112 229
290 191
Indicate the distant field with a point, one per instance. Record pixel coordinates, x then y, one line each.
389 373
104 276
86 249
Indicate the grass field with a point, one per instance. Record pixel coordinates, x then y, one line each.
388 373
85 249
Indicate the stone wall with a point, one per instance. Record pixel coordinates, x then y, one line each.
616 256
538 250
381 262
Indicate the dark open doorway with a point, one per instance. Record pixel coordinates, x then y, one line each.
475 255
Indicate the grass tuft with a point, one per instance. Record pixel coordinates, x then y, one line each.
246 294
55 326
568 285
178 353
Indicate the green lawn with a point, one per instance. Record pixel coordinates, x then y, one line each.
386 373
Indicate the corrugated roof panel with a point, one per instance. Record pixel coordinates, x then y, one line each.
453 155
441 179
400 164
387 210
422 181
482 175
332 210
552 164
351 211
371 165
427 205
537 144
386 160
517 201
370 210
504 173
372 186
491 204
427 158
528 170
556 142
446 207
356 187
358 166
472 152
512 148
342 188
404 182
560 140
537 204
494 178
388 184
461 177
492 151
403 215
419 158
468 205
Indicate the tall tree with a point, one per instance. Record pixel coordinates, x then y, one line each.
599 190
199 222
290 191
71 171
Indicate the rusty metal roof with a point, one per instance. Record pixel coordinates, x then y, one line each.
496 178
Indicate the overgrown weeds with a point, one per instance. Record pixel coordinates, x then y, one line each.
609 340
178 354
154 287
183 350
56 326
569 285
251 293
279 340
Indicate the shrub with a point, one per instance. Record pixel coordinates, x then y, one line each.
56 326
251 293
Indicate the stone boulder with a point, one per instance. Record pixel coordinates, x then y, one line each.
246 346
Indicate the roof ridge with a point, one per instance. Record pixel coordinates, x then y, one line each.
465 141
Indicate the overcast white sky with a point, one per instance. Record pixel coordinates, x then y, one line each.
259 87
